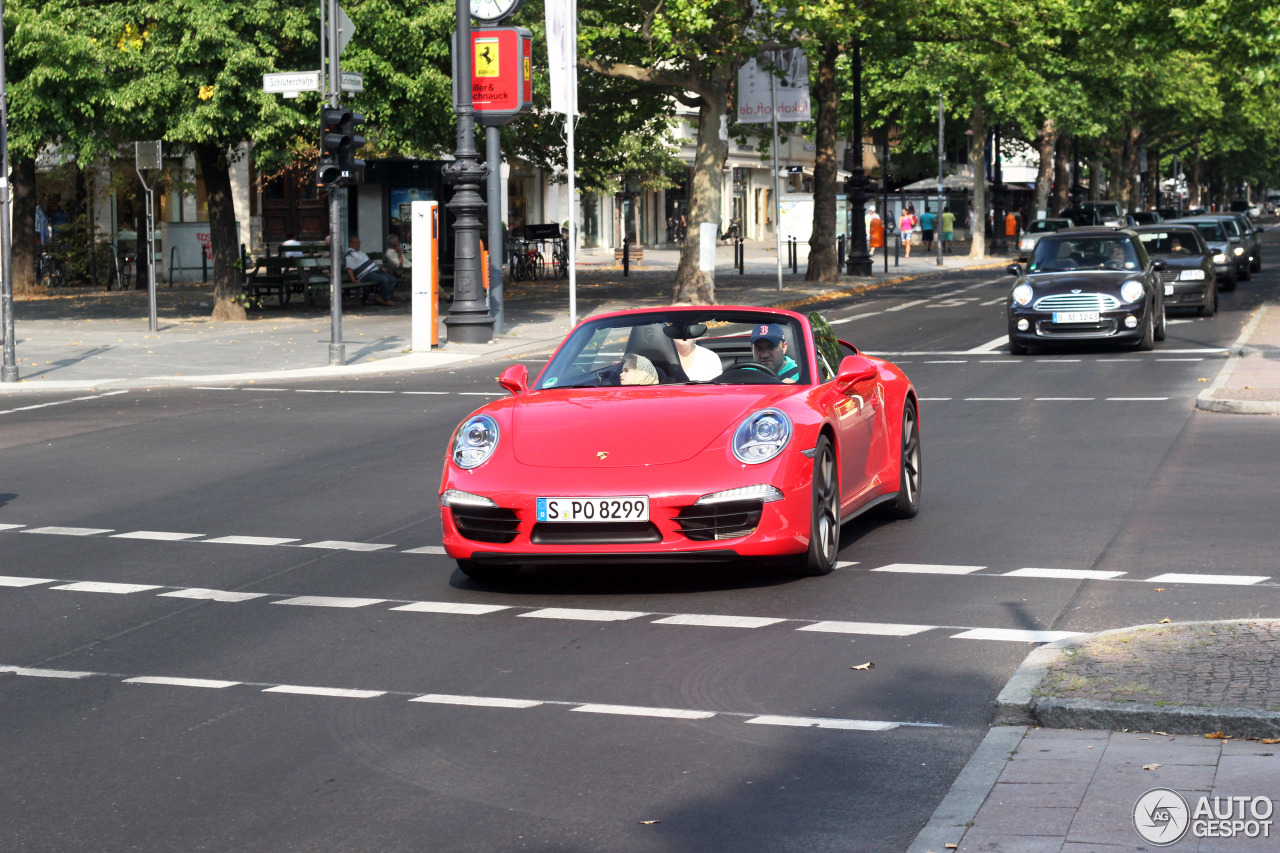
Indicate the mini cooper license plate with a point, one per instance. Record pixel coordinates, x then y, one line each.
1076 316
634 508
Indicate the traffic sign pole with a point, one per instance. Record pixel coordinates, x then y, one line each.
337 350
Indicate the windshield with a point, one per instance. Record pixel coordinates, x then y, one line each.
1042 226
1146 217
1211 231
1062 253
1232 227
1169 243
715 346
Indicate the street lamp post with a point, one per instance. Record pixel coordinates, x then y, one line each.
469 320
855 187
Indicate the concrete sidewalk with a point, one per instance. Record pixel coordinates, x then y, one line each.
1249 383
1139 725
83 339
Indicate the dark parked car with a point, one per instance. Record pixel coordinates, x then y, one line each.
1036 230
1252 240
1223 246
1188 275
1087 284
1239 249
1082 217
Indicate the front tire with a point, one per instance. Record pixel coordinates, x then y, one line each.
1016 348
1148 340
909 465
824 524
1211 302
1161 329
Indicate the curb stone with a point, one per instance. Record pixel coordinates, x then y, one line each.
1208 400
1018 703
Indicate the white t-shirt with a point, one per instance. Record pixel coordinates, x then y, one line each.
702 365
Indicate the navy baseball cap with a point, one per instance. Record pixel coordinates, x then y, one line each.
771 332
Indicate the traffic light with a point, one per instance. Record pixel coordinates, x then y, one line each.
339 141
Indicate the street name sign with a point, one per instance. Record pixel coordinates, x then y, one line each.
290 83
352 81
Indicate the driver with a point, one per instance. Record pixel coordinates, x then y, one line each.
769 347
1116 255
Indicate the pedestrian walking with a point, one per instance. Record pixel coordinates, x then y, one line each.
948 228
907 224
926 228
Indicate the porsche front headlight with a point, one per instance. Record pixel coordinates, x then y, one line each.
761 436
475 441
1131 291
1022 294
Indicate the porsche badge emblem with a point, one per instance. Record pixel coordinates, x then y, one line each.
602 455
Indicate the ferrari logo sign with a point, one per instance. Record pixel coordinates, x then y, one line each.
602 455
486 59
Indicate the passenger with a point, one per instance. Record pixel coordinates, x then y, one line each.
769 347
698 363
638 370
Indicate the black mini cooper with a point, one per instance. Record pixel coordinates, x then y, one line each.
1087 284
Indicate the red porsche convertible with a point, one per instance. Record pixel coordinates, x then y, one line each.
686 434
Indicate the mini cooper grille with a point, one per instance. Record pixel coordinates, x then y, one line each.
595 533
719 521
1077 302
486 524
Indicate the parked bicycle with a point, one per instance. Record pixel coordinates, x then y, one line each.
51 271
530 263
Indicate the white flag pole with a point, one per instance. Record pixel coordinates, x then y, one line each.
562 54
777 181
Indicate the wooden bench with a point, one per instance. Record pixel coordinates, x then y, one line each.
318 287
277 277
635 255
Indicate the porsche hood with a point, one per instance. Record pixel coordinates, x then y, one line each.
618 428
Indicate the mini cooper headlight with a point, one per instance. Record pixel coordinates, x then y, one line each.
1131 291
1022 294
1191 275
761 436
475 441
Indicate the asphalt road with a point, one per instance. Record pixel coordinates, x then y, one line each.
323 679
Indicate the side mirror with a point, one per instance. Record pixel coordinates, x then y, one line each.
855 369
1014 269
515 379
1158 265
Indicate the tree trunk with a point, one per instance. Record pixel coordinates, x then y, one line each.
823 264
23 181
1116 189
1153 179
211 160
1133 148
1046 142
695 286
977 162
1062 173
1193 185
1095 179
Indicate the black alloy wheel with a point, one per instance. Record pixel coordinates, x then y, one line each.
910 472
1162 326
824 526
1210 306
1148 341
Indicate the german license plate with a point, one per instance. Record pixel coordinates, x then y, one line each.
635 508
1168 290
1076 316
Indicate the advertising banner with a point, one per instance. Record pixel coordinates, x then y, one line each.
792 99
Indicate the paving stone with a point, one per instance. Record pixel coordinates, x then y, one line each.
1049 770
978 843
1049 794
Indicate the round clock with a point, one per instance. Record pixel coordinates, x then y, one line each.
492 11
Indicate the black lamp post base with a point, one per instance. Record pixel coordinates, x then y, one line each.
469 329
859 266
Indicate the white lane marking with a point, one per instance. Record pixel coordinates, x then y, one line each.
1130 359
991 345
1179 359
157 535
1002 361
213 595
1014 635
68 531
181 682
365 391
1062 399
114 588
11 526
428 549
934 399
928 569
45 673
844 564
329 601
824 723
478 394
880 629
995 301
1056 360
458 607
1091 574
60 402
945 361
586 615
854 317
992 399
256 388
9 580
908 305
477 701
319 391
325 691
1136 399
718 621
638 711
1234 580
434 393
213 388
250 540
335 545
